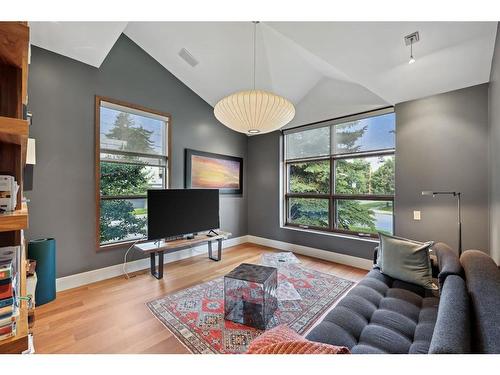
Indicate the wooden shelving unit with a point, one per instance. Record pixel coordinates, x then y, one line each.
14 130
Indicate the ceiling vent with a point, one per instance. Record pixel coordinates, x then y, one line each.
412 38
187 57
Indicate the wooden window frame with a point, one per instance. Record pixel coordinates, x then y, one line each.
97 162
332 196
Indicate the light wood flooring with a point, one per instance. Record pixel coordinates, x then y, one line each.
110 316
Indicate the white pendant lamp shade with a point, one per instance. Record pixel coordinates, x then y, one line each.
254 111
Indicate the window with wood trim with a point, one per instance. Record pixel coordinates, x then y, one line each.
339 175
132 156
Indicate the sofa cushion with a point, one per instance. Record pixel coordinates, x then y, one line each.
405 260
482 276
381 315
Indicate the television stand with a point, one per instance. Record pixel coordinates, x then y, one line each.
159 248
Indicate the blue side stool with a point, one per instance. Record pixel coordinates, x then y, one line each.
44 252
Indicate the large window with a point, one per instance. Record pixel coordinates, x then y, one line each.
339 175
131 157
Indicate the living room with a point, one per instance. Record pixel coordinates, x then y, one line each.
232 186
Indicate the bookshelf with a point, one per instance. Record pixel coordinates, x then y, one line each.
14 130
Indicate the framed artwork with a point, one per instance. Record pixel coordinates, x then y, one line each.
205 170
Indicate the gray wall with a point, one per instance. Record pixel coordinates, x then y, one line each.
61 98
441 144
494 119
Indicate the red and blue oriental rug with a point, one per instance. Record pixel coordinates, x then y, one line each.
196 315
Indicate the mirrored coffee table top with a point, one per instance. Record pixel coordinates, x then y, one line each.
251 272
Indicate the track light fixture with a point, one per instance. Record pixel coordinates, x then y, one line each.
412 59
409 40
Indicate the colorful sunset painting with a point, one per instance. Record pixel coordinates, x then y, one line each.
213 173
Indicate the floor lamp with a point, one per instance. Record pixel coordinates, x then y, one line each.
457 195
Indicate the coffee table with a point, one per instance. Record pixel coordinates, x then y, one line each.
250 295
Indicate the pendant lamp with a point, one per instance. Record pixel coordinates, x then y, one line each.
254 111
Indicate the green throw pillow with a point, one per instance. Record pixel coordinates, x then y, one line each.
405 260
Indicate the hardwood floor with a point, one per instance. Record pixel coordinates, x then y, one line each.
110 316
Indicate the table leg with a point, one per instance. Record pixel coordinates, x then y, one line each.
210 250
219 250
157 274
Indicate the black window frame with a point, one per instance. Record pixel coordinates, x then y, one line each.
332 196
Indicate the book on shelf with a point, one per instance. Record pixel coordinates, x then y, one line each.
9 319
8 325
6 269
6 290
8 331
9 290
6 311
12 255
8 193
6 302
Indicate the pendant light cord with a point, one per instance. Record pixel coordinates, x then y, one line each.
254 50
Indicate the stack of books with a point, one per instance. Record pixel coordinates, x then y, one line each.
9 289
8 193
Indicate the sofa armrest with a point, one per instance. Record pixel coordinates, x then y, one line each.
448 262
434 266
452 330
482 276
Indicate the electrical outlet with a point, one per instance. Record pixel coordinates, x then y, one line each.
416 215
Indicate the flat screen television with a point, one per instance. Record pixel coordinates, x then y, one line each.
176 212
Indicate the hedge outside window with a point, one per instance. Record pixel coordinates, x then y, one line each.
340 175
131 157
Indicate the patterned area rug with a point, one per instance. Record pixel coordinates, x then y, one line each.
196 315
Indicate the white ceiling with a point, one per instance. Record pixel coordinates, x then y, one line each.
327 69
88 42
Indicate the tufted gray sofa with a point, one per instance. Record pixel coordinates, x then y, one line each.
385 315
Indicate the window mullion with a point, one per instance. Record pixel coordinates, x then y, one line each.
132 163
333 217
123 197
362 154
332 192
132 153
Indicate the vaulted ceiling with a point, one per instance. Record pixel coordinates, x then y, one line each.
327 69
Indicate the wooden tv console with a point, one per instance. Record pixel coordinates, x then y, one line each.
154 248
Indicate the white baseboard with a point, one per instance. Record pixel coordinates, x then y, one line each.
349 260
93 276
84 278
